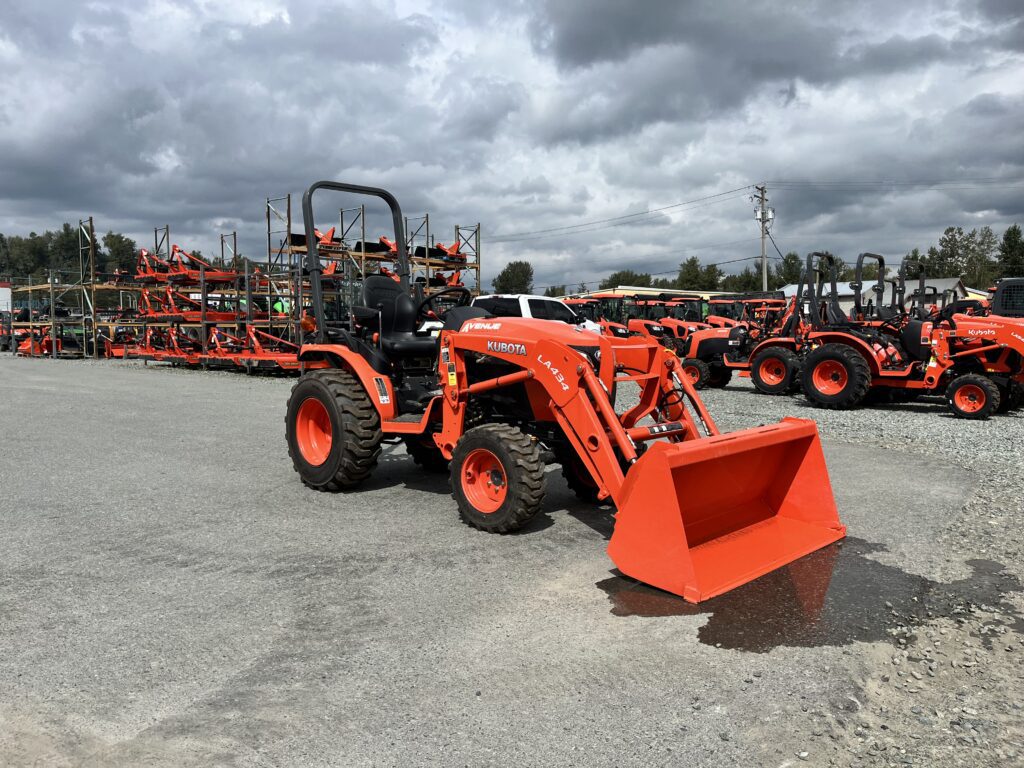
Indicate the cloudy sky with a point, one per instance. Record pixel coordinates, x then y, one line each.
533 117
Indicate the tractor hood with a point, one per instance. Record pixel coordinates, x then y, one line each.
525 329
517 336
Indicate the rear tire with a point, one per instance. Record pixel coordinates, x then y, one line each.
697 371
333 430
497 478
775 371
835 376
973 396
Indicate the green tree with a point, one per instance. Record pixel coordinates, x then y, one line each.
554 291
710 277
747 280
951 256
581 288
690 273
120 253
627 277
1011 253
663 282
29 256
516 277
980 266
64 255
790 269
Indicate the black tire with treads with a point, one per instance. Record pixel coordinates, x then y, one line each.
425 454
788 365
857 371
719 376
355 425
703 373
988 404
523 468
576 475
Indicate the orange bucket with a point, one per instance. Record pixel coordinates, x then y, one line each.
700 518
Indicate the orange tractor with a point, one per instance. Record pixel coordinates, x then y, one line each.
964 351
488 399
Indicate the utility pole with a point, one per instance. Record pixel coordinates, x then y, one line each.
763 215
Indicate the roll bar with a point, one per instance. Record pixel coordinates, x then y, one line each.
312 265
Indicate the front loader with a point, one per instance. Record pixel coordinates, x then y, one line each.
488 399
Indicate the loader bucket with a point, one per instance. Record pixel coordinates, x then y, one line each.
702 517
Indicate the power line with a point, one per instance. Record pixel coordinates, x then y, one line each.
989 183
598 281
568 229
773 243
615 224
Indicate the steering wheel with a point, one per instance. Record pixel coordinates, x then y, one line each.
892 322
465 296
959 307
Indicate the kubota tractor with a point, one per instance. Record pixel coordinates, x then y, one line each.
487 399
735 330
973 357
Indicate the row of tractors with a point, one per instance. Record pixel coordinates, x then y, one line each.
898 345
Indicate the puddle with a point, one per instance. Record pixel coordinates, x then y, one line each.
835 596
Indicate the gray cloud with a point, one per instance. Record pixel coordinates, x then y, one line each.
523 116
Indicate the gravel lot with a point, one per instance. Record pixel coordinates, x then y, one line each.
170 594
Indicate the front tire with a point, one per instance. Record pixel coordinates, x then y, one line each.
973 396
1009 397
576 475
426 454
835 376
333 430
497 478
697 371
775 371
720 376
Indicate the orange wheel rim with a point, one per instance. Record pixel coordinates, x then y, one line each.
830 377
970 398
313 431
772 371
692 372
483 481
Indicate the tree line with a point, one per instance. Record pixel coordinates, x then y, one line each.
33 256
978 257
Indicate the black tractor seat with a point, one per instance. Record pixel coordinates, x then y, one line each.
398 321
910 339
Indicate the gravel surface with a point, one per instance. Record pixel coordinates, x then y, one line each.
170 594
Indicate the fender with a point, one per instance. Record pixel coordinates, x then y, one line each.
861 346
378 388
744 365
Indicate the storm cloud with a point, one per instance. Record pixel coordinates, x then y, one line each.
524 116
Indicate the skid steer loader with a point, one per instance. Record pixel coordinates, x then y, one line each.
485 398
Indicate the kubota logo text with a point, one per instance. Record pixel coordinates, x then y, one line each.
505 348
981 331
554 372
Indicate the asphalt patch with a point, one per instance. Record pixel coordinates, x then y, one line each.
835 596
